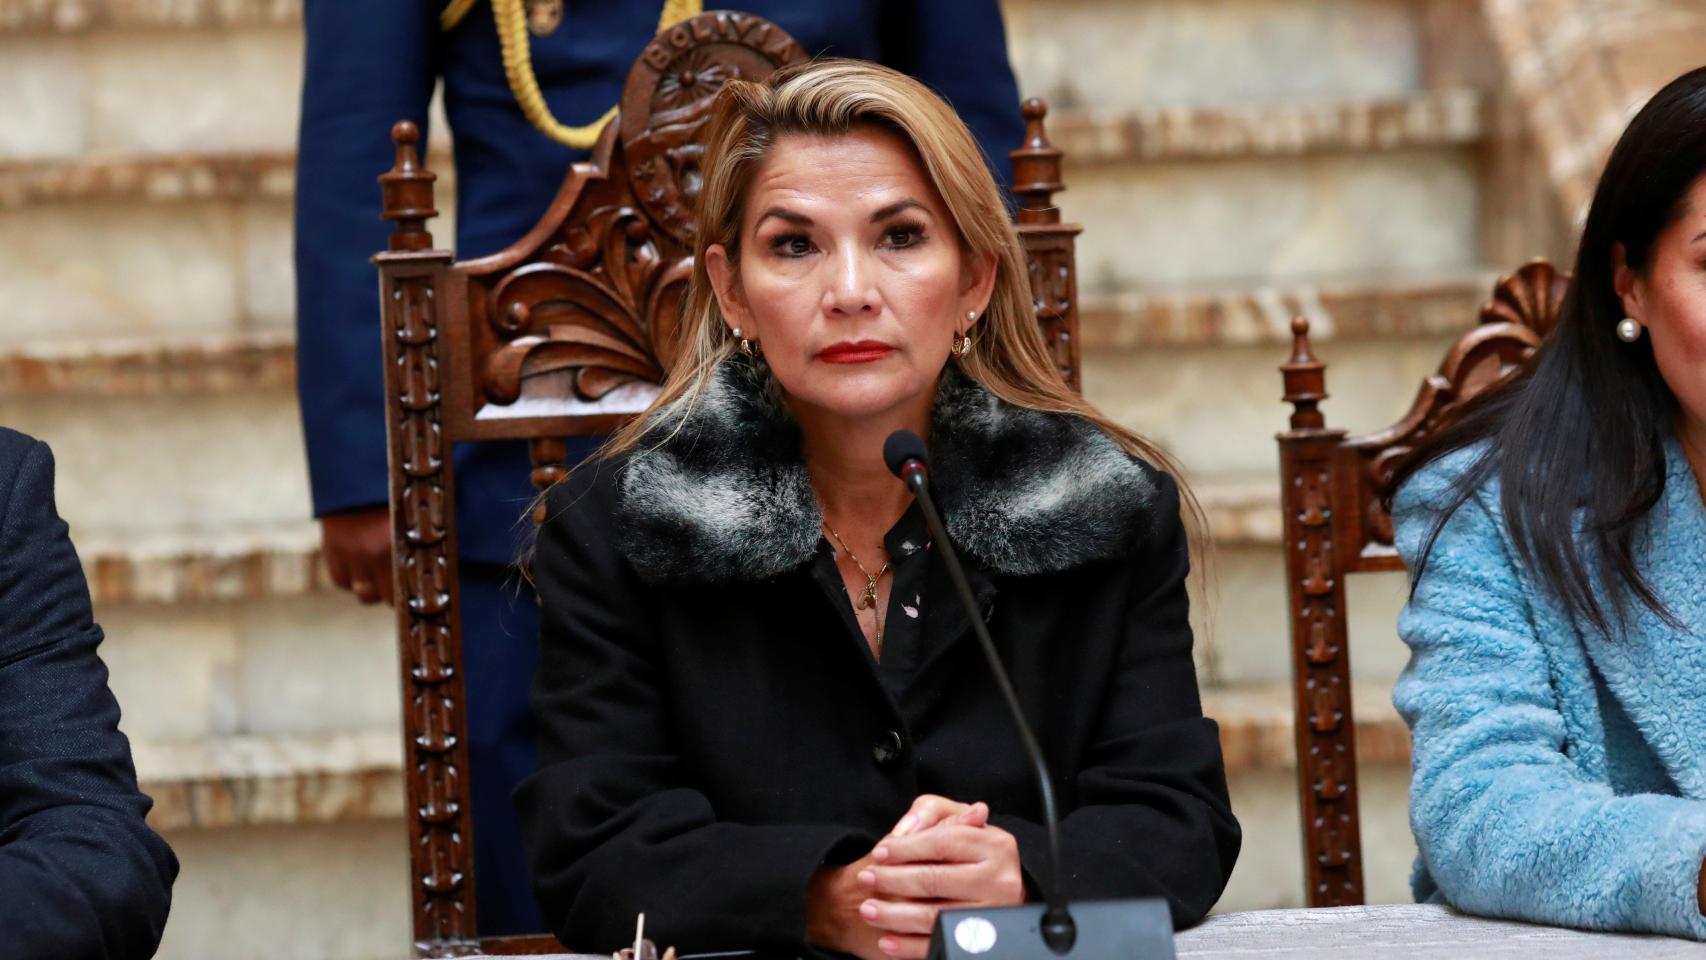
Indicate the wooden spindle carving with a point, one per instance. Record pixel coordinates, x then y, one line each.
1036 168
1336 523
1325 735
407 189
1049 243
1328 769
549 457
1305 379
423 525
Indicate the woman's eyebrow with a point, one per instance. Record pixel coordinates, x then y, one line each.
897 207
779 213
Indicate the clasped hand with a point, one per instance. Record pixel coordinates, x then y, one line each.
942 855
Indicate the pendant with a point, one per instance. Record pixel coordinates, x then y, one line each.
869 600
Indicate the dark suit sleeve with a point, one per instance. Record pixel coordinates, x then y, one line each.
81 874
1153 816
367 65
959 48
613 824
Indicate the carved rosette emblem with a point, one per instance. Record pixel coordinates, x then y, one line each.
668 100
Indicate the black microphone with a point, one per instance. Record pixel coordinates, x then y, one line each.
1127 929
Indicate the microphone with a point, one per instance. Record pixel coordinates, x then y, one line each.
1127 929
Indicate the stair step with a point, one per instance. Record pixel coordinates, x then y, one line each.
150 366
142 92
245 780
271 779
1242 617
1430 118
1262 315
270 665
1217 409
238 564
1256 728
230 176
1434 118
177 177
134 272
1274 220
283 560
1243 513
121 368
78 16
1117 53
111 93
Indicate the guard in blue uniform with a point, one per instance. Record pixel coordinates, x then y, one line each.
373 63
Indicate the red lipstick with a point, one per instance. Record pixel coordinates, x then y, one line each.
864 351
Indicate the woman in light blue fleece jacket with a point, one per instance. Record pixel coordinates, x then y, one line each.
1556 538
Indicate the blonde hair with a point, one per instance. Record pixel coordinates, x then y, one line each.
830 97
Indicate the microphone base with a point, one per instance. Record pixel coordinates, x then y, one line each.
1105 930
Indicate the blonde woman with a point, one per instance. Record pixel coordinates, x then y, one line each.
764 719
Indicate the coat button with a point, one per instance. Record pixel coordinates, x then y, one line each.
888 749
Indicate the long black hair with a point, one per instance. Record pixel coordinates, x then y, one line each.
1576 439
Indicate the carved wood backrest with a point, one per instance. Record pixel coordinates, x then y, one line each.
567 333
1333 488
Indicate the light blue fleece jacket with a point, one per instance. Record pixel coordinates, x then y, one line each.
1558 773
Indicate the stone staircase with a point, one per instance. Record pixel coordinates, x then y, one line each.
1235 163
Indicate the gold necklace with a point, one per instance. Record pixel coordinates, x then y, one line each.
868 600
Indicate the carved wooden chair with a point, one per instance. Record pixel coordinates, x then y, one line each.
568 333
1332 490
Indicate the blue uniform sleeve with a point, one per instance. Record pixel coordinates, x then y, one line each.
959 48
367 66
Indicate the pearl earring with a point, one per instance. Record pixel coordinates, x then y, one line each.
1628 330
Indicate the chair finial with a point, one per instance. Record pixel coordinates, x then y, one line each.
1036 168
407 192
1305 379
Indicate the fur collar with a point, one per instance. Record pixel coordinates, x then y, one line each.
726 496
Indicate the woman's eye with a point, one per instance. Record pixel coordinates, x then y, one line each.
792 245
902 237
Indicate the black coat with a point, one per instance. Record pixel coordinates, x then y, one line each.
81 874
715 729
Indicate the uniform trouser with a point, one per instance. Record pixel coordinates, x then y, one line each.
500 651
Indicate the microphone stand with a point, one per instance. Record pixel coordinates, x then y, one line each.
1127 929
1058 929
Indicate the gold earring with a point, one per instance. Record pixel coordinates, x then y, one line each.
751 348
962 340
